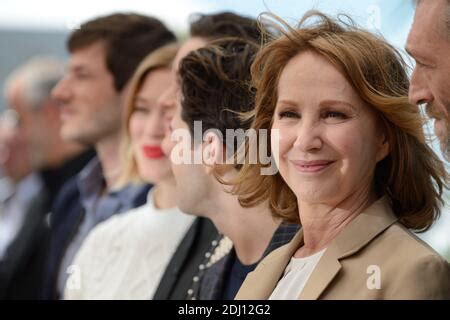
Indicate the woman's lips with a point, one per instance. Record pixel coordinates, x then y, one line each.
311 166
153 152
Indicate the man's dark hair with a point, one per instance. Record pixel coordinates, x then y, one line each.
224 24
215 85
215 80
128 38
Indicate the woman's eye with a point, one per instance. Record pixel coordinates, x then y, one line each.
141 109
288 114
82 76
421 64
334 114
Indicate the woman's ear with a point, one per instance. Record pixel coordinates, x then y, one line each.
383 148
212 152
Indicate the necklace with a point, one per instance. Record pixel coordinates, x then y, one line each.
219 249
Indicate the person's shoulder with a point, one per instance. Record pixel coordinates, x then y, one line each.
420 271
121 223
405 240
119 230
140 194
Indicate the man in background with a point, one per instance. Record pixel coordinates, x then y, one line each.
35 162
104 53
429 44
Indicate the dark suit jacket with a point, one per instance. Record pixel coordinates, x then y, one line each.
21 272
185 262
67 214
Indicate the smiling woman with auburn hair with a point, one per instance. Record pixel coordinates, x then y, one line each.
354 169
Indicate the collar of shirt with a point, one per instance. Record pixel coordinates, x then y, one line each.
91 183
90 180
28 188
7 189
14 210
20 195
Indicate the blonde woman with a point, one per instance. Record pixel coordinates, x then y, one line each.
125 257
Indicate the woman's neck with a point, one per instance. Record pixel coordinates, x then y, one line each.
321 223
164 194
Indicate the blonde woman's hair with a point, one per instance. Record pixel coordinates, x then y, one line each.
160 58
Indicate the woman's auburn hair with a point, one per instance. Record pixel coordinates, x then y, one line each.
160 58
412 175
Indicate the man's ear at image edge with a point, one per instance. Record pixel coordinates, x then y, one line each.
212 151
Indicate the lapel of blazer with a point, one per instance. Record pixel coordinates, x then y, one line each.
24 244
260 283
324 272
356 235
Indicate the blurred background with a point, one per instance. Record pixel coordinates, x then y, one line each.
29 28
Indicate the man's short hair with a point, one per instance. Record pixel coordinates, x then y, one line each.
215 85
224 24
128 38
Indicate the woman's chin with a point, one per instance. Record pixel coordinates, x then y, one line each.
314 193
312 197
155 177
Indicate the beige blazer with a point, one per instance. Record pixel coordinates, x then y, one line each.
373 257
